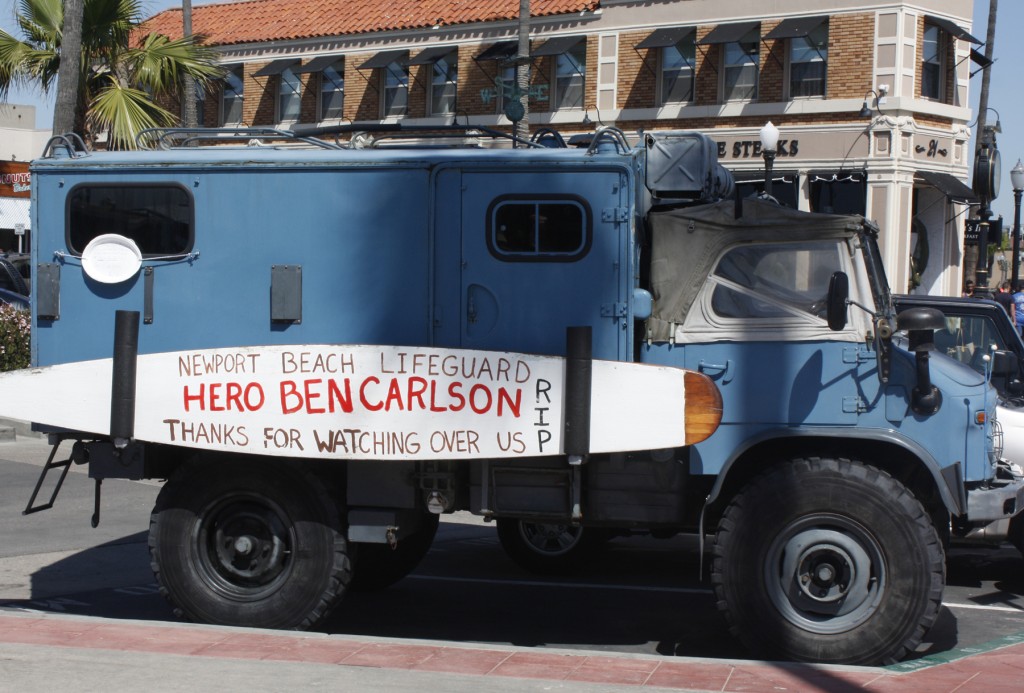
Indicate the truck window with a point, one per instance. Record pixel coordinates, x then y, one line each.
538 230
779 280
159 218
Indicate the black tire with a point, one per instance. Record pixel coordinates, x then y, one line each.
13 277
828 560
255 544
378 565
549 548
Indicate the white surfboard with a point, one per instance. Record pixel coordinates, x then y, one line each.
370 402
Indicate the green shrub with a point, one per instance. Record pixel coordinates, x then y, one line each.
15 338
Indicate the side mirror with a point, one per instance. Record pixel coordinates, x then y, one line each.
920 324
838 294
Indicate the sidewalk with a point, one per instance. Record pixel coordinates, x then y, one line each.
43 651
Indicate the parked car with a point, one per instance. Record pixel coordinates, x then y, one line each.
974 328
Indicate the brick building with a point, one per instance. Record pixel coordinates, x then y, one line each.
870 98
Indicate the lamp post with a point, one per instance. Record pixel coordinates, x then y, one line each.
1017 180
769 142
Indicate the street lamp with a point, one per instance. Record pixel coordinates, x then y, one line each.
769 141
1017 180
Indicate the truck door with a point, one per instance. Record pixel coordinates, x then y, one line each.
543 251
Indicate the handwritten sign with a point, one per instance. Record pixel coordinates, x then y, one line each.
370 402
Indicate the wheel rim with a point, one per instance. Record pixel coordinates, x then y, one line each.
549 538
244 546
825 573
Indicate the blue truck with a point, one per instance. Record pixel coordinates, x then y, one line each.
843 464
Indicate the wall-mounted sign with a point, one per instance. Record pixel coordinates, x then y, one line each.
15 180
972 231
751 149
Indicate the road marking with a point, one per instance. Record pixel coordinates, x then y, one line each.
983 607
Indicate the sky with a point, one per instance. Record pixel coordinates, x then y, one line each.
1005 93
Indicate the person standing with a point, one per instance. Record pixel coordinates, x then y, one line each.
968 289
1018 303
1007 301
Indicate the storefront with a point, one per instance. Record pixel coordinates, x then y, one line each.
15 197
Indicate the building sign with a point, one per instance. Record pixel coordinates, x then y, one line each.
751 149
972 231
15 180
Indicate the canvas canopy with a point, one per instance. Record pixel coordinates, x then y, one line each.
687 242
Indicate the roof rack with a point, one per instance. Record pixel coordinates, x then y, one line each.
361 135
172 138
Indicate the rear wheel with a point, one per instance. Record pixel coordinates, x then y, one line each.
254 544
549 548
828 561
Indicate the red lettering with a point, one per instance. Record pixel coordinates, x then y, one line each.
201 397
504 398
417 386
362 394
310 396
334 394
214 396
394 395
234 396
433 397
290 391
254 404
473 399
453 392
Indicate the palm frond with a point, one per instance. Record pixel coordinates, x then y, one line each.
159 63
124 112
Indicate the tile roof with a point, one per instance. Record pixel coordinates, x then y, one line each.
258 21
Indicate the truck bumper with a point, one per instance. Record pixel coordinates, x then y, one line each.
1002 500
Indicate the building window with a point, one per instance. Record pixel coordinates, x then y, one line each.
506 83
538 229
932 59
570 71
740 66
159 218
396 89
289 96
332 91
443 84
838 193
808 63
233 97
677 68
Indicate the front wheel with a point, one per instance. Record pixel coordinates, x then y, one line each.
549 548
828 560
255 544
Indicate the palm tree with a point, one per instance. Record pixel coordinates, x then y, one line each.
124 72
